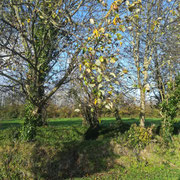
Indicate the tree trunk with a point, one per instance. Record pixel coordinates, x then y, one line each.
40 112
142 108
117 115
35 115
90 118
35 111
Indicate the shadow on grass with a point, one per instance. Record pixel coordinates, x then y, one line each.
79 158
75 159
62 153
104 122
73 156
9 125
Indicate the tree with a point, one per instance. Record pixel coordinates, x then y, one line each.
40 42
94 82
99 67
145 28
169 108
165 66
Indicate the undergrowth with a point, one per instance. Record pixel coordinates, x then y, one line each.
119 152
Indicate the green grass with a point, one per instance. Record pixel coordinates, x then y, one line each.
75 122
60 152
137 173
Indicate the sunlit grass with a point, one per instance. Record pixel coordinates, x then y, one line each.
77 121
63 140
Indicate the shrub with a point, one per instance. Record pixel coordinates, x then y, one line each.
138 136
12 111
53 111
169 109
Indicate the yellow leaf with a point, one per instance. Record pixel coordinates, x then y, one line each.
114 21
112 74
114 6
106 78
86 64
95 101
28 20
152 27
110 92
112 60
102 30
136 16
80 66
90 49
98 62
125 71
96 33
101 58
122 28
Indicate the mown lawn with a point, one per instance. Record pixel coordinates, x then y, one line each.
60 152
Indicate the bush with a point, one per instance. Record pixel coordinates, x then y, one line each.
53 111
12 111
138 136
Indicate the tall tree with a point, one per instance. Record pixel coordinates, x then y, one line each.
40 42
166 66
145 29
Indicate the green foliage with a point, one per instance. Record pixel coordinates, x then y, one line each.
28 132
31 119
54 111
64 111
11 111
138 136
169 108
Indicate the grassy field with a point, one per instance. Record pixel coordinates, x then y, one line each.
75 122
60 152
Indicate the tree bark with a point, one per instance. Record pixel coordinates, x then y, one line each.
117 115
90 118
142 108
